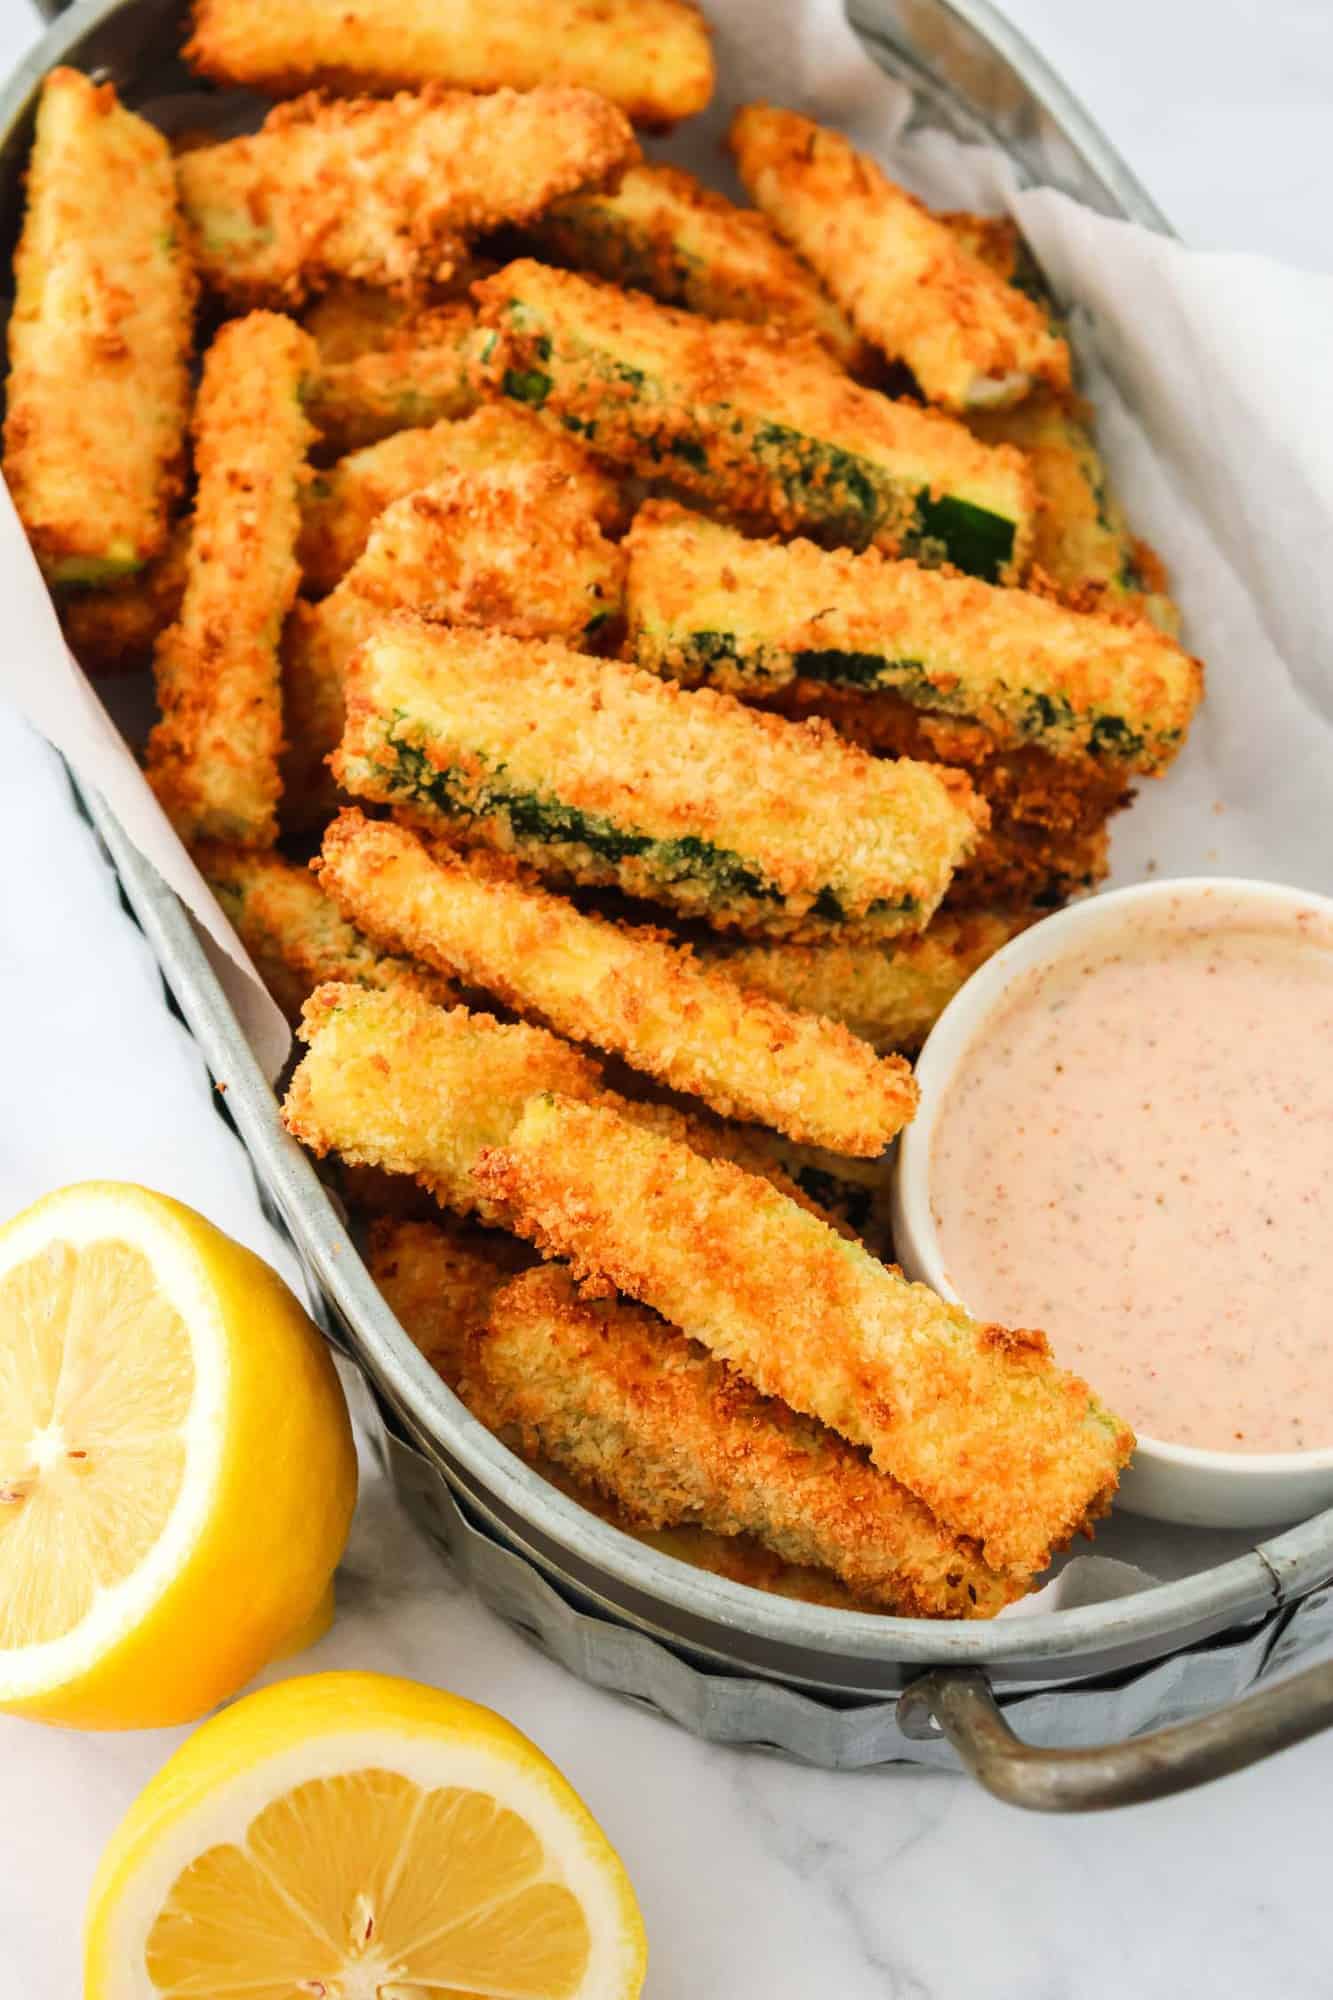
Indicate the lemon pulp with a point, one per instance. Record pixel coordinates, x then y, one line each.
366 1886
97 1381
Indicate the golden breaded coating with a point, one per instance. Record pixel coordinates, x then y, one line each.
1025 787
633 992
439 1282
114 630
421 375
997 241
756 421
1082 542
213 758
891 995
386 191
663 232
901 274
349 320
99 338
296 934
597 773
709 606
1026 867
392 1082
1001 1444
342 503
439 1279
670 1434
651 57
513 546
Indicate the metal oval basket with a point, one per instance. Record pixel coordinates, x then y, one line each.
839 1689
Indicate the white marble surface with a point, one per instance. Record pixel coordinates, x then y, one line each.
759 1882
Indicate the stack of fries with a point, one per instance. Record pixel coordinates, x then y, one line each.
693 639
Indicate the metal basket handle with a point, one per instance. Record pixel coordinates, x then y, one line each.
958 1703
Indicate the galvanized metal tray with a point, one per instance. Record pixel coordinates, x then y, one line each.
838 1689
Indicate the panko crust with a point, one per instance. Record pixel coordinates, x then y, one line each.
629 991
386 191
1001 1445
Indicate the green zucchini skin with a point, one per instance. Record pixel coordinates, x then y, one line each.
763 428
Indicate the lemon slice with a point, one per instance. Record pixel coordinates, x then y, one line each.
355 1837
177 1473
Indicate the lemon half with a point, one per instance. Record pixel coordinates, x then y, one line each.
177 1473
355 1837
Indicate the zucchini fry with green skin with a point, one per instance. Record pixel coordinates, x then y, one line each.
669 1434
754 421
1082 541
297 935
651 57
599 774
890 995
421 376
114 630
635 993
1026 788
391 1082
709 606
1003 1446
900 273
439 1282
663 232
99 339
514 546
342 503
386 191
213 758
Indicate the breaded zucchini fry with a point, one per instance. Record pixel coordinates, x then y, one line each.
850 1195
439 1279
1054 797
663 232
1001 1445
515 547
421 375
296 934
899 272
1027 867
386 191
391 1082
651 57
667 1432
114 630
213 758
99 338
998 242
707 605
632 992
597 773
1082 542
754 421
891 995
341 504
439 1283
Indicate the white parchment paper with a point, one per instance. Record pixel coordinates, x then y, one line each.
1212 380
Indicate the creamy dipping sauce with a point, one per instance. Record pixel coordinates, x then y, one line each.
1136 1155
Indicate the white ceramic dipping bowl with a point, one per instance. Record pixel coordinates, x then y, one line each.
1171 1482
